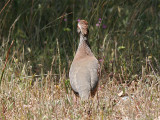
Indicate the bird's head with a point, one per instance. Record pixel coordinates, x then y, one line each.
82 27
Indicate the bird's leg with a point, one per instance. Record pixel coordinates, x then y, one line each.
97 100
74 99
88 107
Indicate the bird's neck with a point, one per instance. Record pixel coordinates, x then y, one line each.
84 47
83 40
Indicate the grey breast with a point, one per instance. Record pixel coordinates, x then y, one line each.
83 76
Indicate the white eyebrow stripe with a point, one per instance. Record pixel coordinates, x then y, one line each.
80 27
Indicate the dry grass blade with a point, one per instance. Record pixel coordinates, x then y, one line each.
6 61
4 6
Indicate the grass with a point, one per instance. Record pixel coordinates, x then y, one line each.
39 97
39 41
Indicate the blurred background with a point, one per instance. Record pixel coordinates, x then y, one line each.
40 36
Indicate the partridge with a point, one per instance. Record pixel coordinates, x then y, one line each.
83 72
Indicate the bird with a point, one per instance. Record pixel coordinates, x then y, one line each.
84 70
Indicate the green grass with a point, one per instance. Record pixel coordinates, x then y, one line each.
39 40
